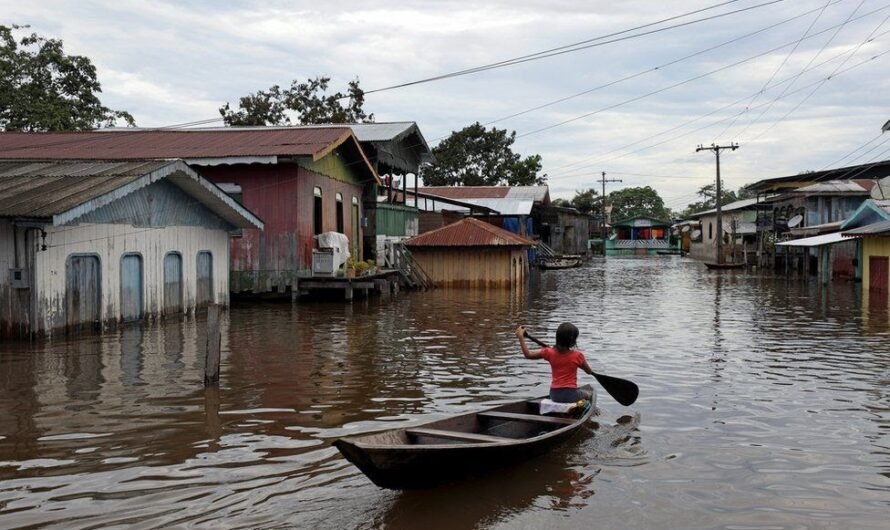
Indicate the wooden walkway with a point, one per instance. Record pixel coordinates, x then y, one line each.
384 282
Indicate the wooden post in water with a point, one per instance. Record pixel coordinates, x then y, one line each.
211 359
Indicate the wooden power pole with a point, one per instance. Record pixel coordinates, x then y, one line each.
716 148
605 234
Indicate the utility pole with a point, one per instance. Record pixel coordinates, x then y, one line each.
605 234
716 148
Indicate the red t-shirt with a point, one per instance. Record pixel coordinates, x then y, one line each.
564 367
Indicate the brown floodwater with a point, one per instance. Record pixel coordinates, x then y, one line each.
764 404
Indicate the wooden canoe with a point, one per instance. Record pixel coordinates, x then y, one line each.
559 262
724 266
459 446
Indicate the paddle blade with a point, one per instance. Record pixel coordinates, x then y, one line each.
624 391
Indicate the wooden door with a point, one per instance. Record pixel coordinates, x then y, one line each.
131 288
355 226
172 283
878 272
205 279
83 293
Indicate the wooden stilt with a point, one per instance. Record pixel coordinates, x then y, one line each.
211 359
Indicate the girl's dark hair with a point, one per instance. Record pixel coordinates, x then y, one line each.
566 336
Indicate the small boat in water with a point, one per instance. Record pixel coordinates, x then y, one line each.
461 446
724 266
569 261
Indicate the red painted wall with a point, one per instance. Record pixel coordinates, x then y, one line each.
282 196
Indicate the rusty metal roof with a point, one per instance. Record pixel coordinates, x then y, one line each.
469 232
133 144
66 190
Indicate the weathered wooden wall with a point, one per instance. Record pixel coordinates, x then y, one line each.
15 304
282 196
473 266
110 243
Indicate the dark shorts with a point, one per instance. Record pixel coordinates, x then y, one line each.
568 395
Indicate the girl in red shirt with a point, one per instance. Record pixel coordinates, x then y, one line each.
564 362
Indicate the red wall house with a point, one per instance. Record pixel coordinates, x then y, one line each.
273 171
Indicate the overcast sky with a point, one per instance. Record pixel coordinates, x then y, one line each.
174 62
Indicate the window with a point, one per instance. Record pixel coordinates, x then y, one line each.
341 222
710 230
317 213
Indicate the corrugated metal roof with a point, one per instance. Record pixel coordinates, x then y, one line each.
837 187
815 241
469 232
534 193
881 228
467 192
66 190
737 205
501 206
125 144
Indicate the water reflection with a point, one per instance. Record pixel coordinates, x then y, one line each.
763 402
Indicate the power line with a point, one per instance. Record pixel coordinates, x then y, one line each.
652 69
686 81
581 45
817 87
787 87
776 71
598 160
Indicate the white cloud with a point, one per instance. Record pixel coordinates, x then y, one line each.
171 62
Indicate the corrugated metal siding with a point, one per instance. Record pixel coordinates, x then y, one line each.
145 144
395 220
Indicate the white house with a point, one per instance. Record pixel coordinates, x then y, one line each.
84 244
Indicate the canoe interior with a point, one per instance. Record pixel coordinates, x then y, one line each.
491 428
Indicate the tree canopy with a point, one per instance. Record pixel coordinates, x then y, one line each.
308 102
44 89
476 156
637 202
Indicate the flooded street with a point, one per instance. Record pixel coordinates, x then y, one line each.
764 403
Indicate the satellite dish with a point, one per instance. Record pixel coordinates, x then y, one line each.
696 234
794 221
686 228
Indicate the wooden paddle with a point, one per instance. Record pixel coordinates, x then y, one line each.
624 391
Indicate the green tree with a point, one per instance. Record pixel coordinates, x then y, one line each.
708 194
562 203
587 201
309 102
637 202
44 89
475 156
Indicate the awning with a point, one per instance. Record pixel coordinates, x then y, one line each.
815 241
